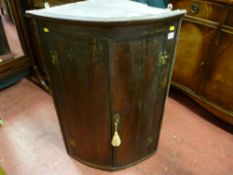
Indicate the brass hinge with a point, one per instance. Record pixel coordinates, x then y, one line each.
54 57
163 58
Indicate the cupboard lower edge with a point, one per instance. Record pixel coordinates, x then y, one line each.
113 168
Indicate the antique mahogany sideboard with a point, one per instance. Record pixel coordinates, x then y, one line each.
204 62
109 65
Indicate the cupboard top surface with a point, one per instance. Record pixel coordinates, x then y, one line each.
105 11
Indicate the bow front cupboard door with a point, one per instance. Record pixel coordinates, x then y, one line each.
109 82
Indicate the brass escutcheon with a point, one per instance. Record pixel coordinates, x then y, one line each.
116 140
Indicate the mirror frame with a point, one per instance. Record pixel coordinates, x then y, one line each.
16 64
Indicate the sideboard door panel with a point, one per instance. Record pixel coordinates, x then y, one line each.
134 89
219 84
191 54
82 95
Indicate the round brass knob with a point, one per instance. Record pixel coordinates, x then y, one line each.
195 8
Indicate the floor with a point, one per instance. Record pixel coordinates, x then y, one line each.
192 142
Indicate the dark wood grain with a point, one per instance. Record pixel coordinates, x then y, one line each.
134 91
36 50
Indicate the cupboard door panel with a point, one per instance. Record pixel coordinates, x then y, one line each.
219 85
193 48
135 82
82 73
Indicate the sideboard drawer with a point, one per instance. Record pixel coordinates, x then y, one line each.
200 9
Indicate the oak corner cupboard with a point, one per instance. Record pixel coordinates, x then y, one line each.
109 65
